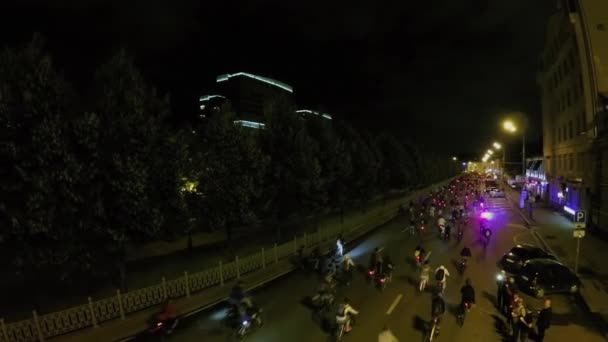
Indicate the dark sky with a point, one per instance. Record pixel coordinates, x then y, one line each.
429 69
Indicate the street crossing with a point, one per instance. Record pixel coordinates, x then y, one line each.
497 204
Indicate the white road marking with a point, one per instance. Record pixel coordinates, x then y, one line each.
395 302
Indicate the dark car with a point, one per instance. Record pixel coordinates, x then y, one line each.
540 277
515 258
490 185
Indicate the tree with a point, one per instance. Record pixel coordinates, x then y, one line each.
334 160
293 183
231 168
397 165
363 180
130 181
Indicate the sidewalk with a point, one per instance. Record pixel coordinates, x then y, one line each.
555 232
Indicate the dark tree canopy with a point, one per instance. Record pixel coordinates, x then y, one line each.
88 173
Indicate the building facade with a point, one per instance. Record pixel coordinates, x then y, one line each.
536 179
249 95
570 91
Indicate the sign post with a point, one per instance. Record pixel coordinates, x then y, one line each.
578 233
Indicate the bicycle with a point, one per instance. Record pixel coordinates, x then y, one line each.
434 328
462 312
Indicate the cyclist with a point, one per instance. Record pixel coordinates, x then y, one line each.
441 274
344 315
467 294
487 234
425 273
437 309
465 253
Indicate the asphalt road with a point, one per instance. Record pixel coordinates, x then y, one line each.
400 305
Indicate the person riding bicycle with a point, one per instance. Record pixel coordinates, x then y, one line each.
387 269
467 294
441 224
325 291
344 313
441 274
487 234
465 253
237 293
168 315
425 273
437 309
249 310
419 254
347 267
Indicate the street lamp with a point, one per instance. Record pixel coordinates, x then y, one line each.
497 145
490 152
510 127
454 158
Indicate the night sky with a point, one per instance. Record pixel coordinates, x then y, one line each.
426 69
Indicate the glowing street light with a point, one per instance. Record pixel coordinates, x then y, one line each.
497 145
490 152
509 126
454 158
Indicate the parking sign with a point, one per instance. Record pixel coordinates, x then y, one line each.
580 219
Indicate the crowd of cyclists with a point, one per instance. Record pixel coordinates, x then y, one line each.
451 206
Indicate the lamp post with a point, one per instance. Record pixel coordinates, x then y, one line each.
510 127
498 146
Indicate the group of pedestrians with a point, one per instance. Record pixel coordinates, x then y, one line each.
521 322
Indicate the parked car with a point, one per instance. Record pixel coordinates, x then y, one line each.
516 257
490 185
540 277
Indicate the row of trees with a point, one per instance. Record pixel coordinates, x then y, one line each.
86 172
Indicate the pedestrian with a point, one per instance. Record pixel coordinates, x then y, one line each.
544 320
501 279
521 320
508 296
386 335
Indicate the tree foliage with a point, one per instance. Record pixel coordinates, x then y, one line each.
88 173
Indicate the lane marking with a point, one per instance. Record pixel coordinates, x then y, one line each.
395 302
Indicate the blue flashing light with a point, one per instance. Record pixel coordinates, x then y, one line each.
569 210
250 124
226 77
487 215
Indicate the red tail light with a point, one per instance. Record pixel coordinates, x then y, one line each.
382 280
371 272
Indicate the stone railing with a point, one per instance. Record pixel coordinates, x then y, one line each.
95 312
